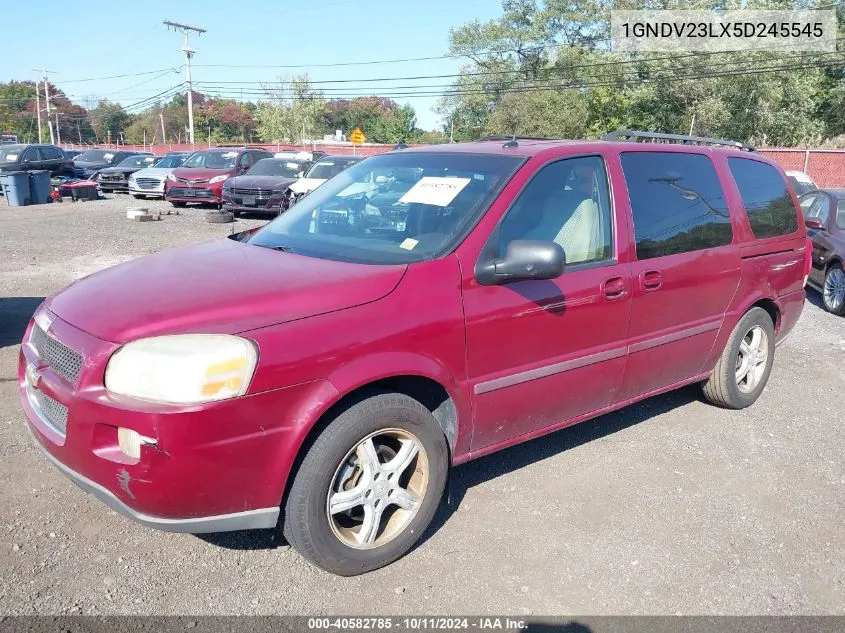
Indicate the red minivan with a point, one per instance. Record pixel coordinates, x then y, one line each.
200 178
425 307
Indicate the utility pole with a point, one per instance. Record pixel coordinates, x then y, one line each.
58 131
163 135
47 99
38 108
189 53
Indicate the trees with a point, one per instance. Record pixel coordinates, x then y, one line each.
545 68
292 111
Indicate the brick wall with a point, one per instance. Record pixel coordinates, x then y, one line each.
825 167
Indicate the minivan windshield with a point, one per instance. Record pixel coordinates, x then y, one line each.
391 209
211 160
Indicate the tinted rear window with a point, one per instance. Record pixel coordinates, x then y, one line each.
765 197
677 203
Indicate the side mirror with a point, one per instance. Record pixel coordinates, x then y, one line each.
524 259
813 223
25 164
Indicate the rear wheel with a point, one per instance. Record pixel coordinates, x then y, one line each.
743 369
369 486
833 291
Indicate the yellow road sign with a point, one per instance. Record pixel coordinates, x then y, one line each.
357 136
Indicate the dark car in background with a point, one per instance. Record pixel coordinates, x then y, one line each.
88 164
325 168
824 215
117 178
32 157
201 177
264 187
72 153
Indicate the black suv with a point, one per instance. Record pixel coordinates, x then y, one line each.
31 157
88 164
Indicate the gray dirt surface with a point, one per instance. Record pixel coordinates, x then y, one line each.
669 506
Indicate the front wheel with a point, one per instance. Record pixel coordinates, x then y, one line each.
178 205
743 369
369 486
833 291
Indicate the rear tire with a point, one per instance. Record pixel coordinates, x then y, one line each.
743 369
833 289
370 487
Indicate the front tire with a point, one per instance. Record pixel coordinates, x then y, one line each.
179 205
743 369
833 290
369 485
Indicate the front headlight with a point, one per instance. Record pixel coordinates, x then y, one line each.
183 369
171 177
220 178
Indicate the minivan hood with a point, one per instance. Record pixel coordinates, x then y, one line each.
199 173
222 286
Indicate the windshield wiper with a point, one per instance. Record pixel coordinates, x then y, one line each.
283 249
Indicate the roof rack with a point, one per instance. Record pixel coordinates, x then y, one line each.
636 136
516 138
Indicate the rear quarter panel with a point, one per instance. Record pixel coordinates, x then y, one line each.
771 268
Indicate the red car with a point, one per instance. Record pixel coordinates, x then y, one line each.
420 309
200 178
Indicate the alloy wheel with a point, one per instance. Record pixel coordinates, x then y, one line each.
834 289
752 359
377 489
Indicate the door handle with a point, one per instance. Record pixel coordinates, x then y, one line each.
614 288
651 280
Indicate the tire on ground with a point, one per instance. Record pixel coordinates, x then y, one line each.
721 388
219 217
306 521
840 310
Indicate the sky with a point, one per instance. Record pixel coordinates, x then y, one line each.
111 38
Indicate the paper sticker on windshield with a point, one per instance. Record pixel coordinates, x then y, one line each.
108 156
435 190
11 157
408 244
229 154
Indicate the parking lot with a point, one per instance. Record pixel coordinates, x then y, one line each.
669 506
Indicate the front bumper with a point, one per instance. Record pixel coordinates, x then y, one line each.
184 192
273 204
113 185
211 467
150 193
247 520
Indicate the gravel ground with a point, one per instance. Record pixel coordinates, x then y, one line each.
669 506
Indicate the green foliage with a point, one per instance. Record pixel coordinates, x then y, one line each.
544 68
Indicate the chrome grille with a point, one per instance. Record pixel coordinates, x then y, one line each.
148 183
192 181
54 411
60 357
111 177
258 193
187 192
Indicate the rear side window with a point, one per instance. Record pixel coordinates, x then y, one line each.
677 203
765 197
840 214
